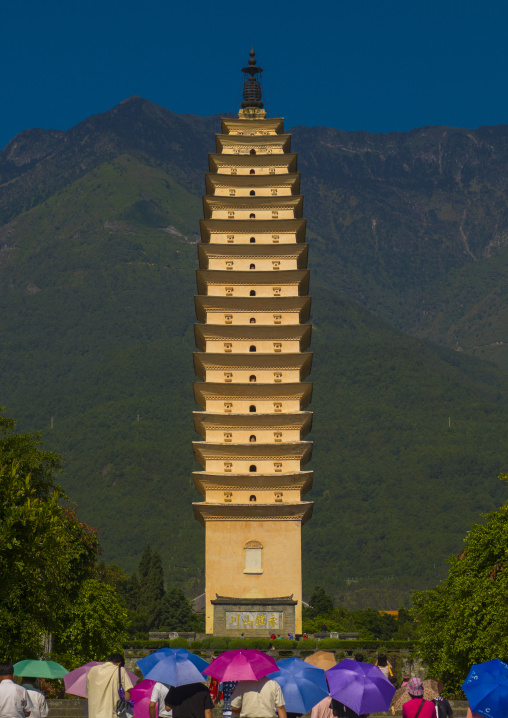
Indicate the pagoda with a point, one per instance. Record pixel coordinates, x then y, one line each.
253 309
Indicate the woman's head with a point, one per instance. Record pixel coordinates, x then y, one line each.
382 660
415 688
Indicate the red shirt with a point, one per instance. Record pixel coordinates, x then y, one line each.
410 709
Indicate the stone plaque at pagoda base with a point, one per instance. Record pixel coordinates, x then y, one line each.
253 617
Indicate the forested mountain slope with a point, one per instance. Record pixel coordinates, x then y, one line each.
407 235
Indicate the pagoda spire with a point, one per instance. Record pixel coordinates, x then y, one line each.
252 92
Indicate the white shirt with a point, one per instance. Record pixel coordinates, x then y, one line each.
14 700
159 693
39 705
257 699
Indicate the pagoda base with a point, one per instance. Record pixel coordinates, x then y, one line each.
253 617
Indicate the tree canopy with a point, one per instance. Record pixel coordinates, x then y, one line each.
463 620
47 553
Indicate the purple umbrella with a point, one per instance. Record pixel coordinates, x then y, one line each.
75 681
360 686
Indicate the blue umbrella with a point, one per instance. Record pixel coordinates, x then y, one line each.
486 688
176 668
303 685
148 662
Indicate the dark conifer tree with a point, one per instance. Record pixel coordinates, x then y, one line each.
144 564
129 589
175 612
151 587
320 603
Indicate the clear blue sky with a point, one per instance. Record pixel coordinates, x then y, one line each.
356 65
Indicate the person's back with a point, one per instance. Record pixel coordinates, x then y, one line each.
102 683
258 699
323 709
443 707
37 698
157 705
417 706
14 699
189 701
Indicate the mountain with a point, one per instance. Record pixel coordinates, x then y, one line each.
408 248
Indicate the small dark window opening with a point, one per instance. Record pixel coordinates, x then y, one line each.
252 320
253 172
253 240
252 378
252 266
252 348
252 293
253 152
252 408
253 468
252 216
252 193
252 498
252 439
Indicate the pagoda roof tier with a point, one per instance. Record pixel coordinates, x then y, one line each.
253 251
209 277
214 180
253 226
294 511
204 391
288 161
274 124
204 481
252 332
251 305
282 202
204 420
205 451
261 143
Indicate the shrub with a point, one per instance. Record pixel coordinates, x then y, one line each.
235 643
215 642
179 643
196 644
283 643
307 644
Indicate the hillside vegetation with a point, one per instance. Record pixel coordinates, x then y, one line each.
97 258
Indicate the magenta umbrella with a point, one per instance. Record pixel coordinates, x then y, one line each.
141 694
75 681
244 664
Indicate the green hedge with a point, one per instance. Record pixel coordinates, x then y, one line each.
259 643
147 644
179 642
196 644
334 643
283 643
307 644
215 642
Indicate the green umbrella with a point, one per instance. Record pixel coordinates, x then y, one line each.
39 669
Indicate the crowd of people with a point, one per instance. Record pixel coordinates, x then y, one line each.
246 699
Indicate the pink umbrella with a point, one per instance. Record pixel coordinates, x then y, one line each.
141 694
75 681
244 664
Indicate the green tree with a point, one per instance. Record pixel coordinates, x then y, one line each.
46 553
463 620
145 563
320 603
151 583
175 612
96 625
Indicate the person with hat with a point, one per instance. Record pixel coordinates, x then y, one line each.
417 706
